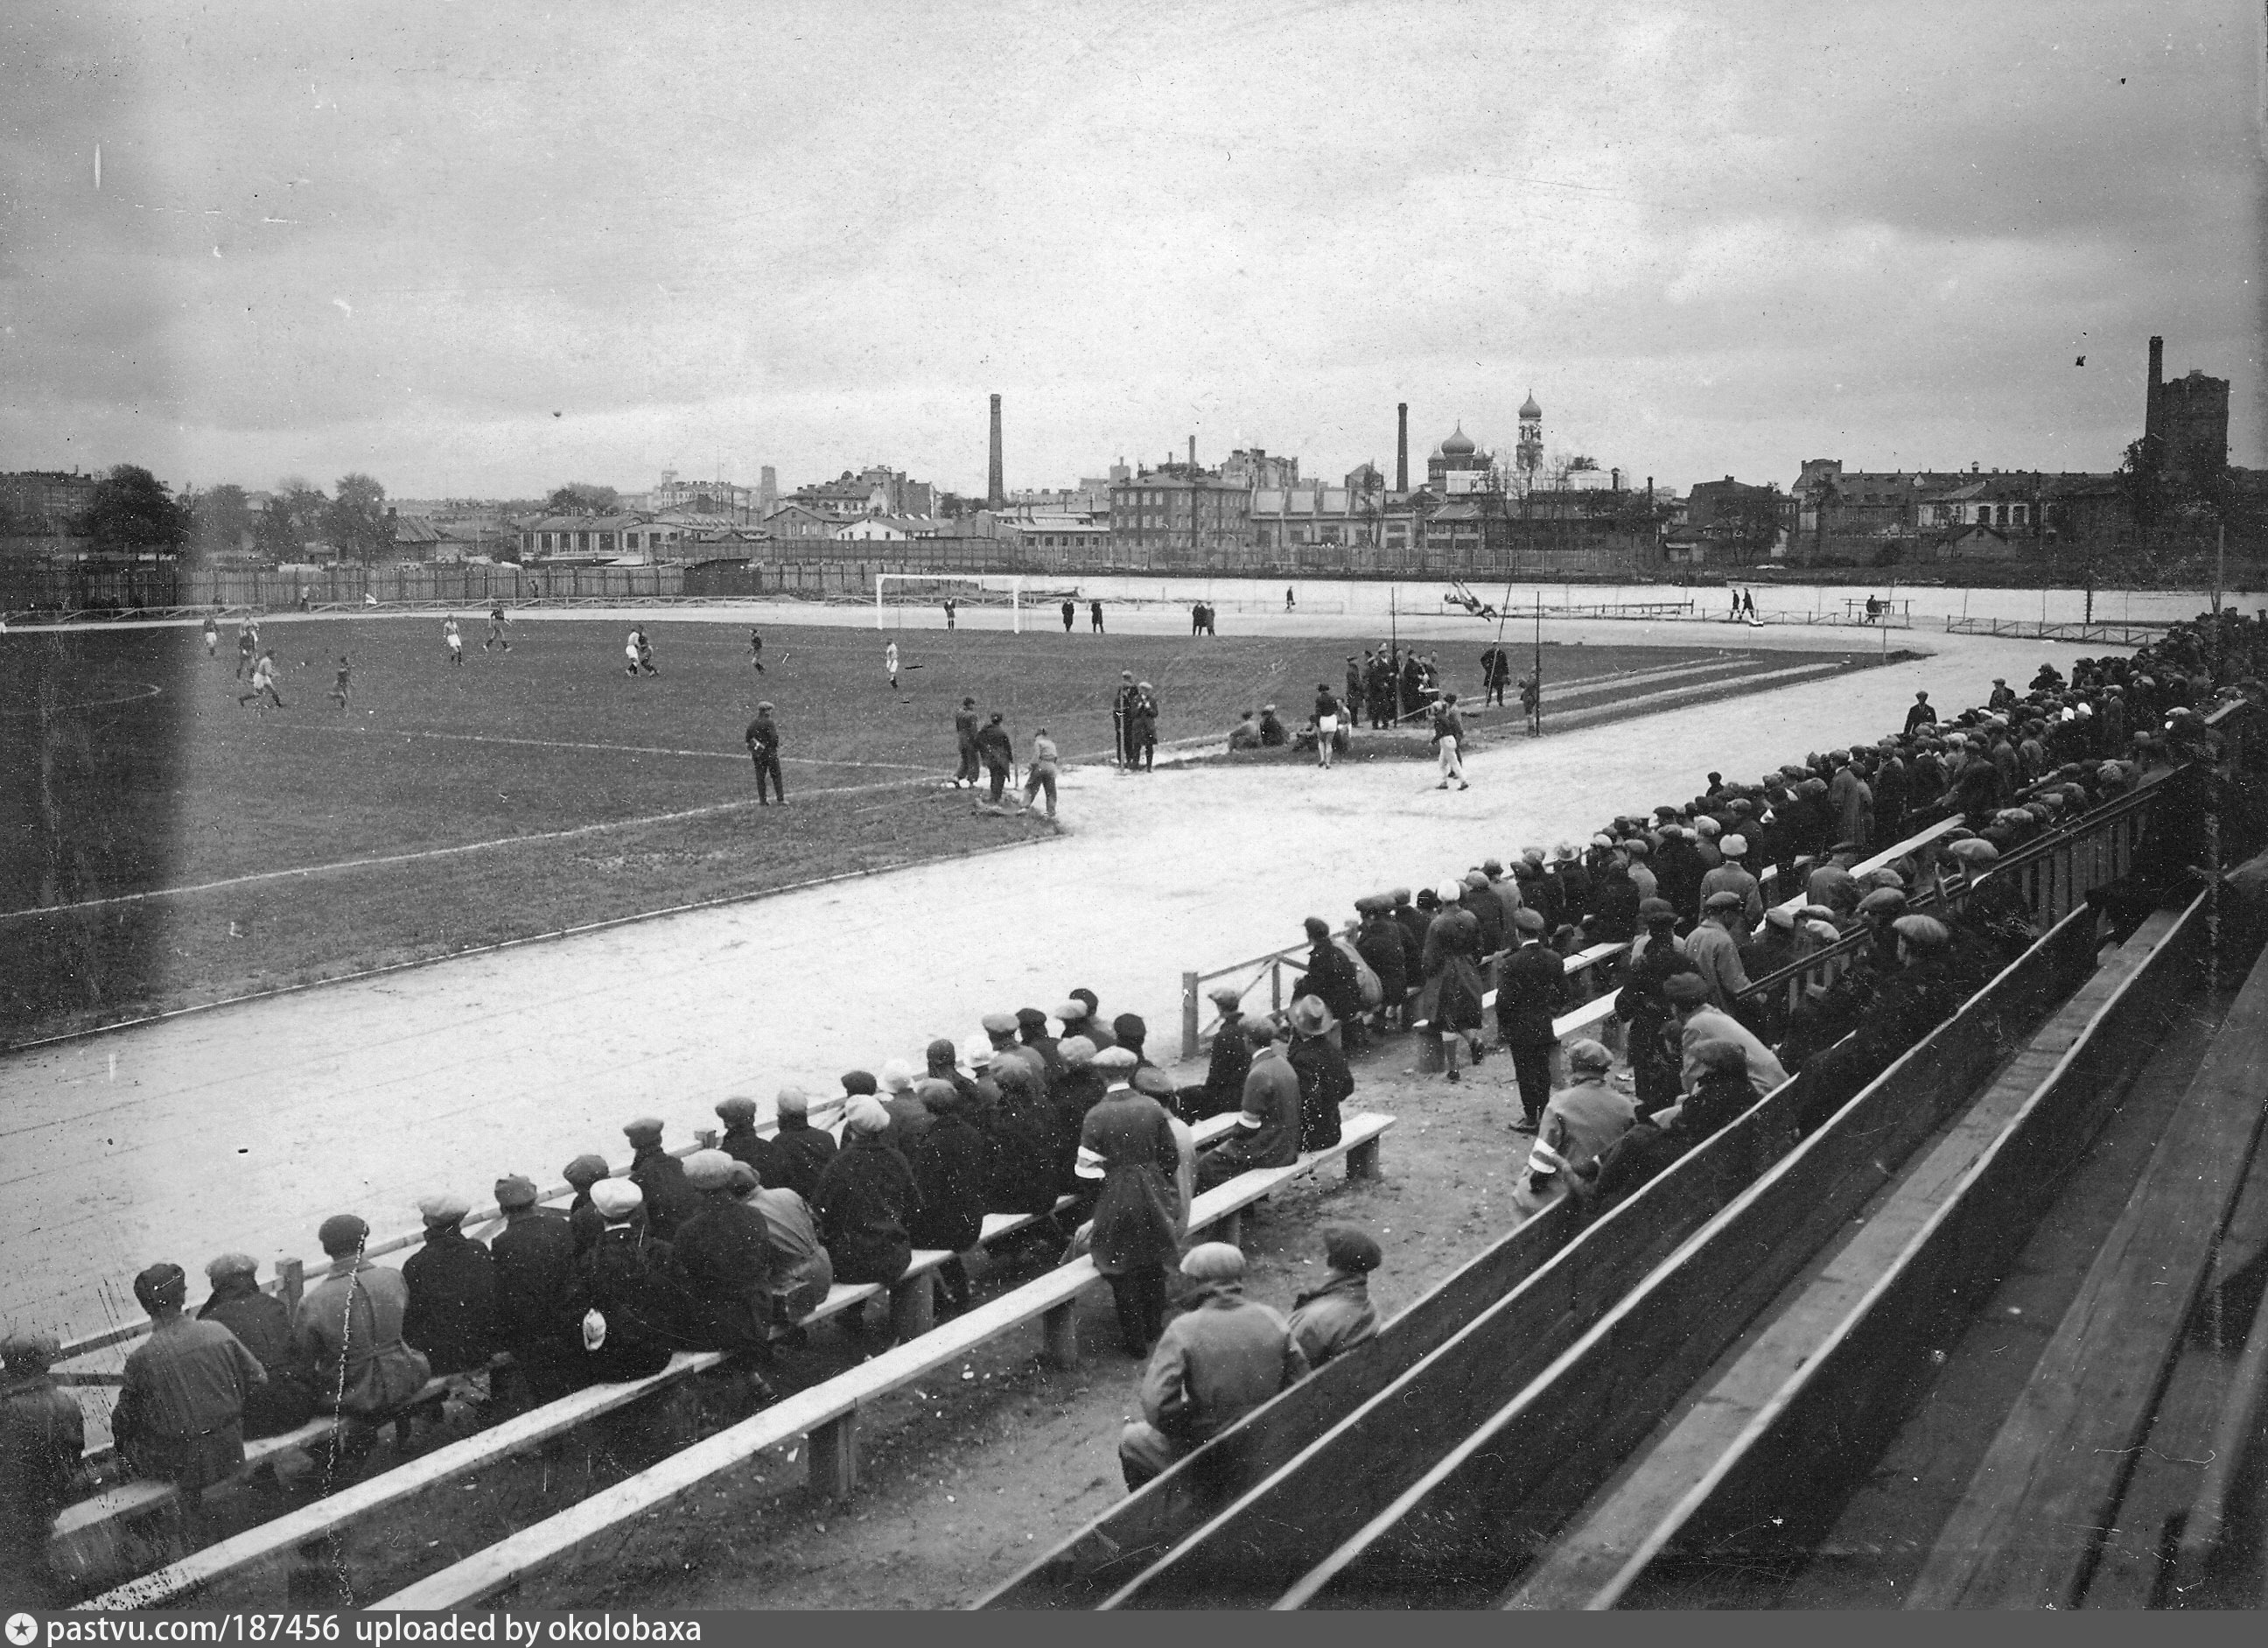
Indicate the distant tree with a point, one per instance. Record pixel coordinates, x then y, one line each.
356 522
134 512
220 516
1751 523
273 535
582 497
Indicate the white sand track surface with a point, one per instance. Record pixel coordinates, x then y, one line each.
242 1127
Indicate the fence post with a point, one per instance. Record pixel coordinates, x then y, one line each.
291 1282
1188 1016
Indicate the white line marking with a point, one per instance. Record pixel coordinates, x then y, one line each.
562 744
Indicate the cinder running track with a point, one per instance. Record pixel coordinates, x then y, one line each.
244 1126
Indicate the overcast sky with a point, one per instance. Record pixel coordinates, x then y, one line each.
483 249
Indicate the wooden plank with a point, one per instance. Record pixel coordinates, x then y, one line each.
1824 1381
1475 1515
2021 1537
512 1559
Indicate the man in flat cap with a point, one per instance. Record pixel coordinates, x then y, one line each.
1127 1161
741 1142
1329 974
1714 949
942 1060
1223 1087
1531 990
43 1437
1222 1357
1267 1127
583 1218
800 1152
1385 949
1732 875
1720 1092
451 1315
1587 1115
1032 1029
864 1201
951 1165
534 1257
1643 1004
348 1331
262 1325
179 1415
1090 1024
723 1255
1331 1319
660 1178
909 1118
763 738
1694 1021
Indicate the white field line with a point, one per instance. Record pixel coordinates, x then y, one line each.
562 744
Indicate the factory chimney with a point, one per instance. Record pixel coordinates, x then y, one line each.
1402 446
1193 454
996 492
2150 403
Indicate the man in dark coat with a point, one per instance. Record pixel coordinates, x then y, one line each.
942 1060
583 1218
1574 882
1451 999
1385 949
723 1256
1330 975
1531 990
625 1279
1131 1031
535 1260
1654 1143
1643 1006
866 1200
964 735
1032 1029
1267 1127
1079 1091
800 1151
1325 1083
1223 1087
1022 1131
451 1311
1128 1158
179 1415
42 1436
660 1177
1614 899
993 744
952 1165
1414 923
742 1142
263 1324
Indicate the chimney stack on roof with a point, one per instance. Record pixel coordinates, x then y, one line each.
995 491
1402 446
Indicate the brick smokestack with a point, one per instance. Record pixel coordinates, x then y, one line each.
995 491
2152 395
1402 446
1193 452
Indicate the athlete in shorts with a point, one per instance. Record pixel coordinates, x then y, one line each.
646 665
456 640
890 663
262 685
631 653
212 635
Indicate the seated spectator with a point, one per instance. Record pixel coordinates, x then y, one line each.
1540 1181
1271 729
909 1118
1331 1319
866 1200
1223 1087
1694 1022
951 1165
535 1260
741 1142
180 1417
723 1259
1325 1082
632 1311
347 1332
1267 1127
1920 996
262 1325
1584 1118
1722 1092
660 1178
451 1313
1246 734
1222 1357
1023 1138
801 1272
800 1150
583 1218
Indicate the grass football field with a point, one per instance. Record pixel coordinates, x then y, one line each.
166 846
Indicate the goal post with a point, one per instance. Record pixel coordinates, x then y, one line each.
914 586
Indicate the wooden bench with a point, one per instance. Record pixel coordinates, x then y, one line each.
828 1413
911 1315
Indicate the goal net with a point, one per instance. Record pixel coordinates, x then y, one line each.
896 592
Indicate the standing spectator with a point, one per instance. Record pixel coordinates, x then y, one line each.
1129 1157
1531 992
1714 948
1644 1006
1381 942
1095 617
1329 974
535 1257
180 1412
42 1436
1451 999
1142 744
1732 875
1219 1360
262 1325
1070 611
1122 718
1332 1318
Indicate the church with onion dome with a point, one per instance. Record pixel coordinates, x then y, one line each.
1458 466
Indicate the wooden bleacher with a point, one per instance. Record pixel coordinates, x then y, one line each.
828 1413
